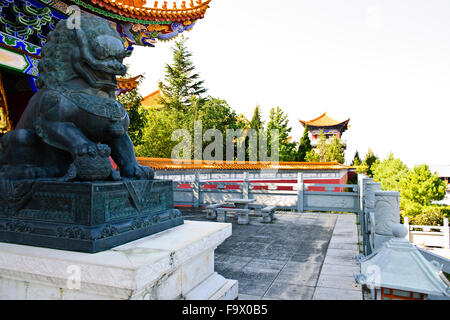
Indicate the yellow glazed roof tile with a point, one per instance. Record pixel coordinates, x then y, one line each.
175 164
324 121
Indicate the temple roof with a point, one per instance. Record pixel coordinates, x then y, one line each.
172 164
126 85
137 9
153 100
325 121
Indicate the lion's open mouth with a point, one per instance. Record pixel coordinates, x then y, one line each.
100 78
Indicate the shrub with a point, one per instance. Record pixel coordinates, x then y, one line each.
432 215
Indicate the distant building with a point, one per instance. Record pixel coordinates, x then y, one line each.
329 126
443 171
152 101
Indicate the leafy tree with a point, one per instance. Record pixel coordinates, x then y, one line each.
215 113
421 186
181 81
327 150
336 150
389 172
138 117
312 156
278 120
156 140
304 147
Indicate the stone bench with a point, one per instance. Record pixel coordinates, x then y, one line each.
256 207
211 210
268 214
242 214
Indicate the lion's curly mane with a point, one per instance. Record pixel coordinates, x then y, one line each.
55 66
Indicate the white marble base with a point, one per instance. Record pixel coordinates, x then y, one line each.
380 240
173 264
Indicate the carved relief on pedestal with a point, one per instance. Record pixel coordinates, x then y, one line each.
387 211
369 194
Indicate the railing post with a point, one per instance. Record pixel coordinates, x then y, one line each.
245 186
406 224
387 214
196 190
300 195
446 234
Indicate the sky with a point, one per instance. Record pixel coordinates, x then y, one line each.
383 64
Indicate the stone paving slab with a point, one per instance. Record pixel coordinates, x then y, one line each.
322 293
248 297
299 256
333 269
338 282
287 291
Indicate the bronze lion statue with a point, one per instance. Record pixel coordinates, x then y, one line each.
74 123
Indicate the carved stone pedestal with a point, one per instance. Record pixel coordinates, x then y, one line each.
387 214
174 264
84 216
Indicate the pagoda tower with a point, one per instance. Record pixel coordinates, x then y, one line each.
329 126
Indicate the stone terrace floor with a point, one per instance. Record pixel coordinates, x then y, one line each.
299 256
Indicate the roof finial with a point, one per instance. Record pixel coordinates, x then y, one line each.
156 4
183 5
399 231
174 5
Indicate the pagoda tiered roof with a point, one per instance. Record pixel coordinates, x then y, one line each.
325 121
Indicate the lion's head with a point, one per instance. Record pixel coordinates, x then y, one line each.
92 50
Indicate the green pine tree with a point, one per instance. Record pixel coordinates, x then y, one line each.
304 147
369 160
356 160
278 120
181 81
256 122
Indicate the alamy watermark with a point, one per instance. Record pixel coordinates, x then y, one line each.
74 279
240 145
74 19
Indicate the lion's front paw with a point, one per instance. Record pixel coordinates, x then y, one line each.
143 172
138 171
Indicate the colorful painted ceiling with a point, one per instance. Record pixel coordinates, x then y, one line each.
171 164
25 24
139 23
